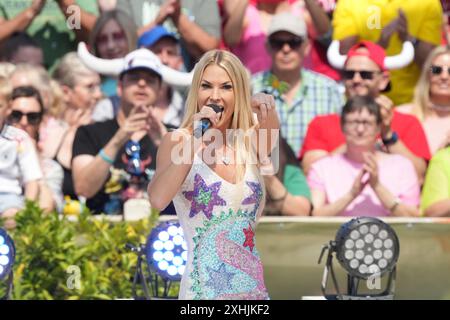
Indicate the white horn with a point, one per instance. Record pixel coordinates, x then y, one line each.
402 59
335 58
176 78
103 66
113 67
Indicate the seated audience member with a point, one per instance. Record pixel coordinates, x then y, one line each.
20 172
113 161
432 99
436 189
287 192
363 181
25 111
196 21
81 88
52 97
21 48
299 94
113 36
169 107
365 73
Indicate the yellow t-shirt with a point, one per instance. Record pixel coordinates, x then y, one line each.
437 181
366 18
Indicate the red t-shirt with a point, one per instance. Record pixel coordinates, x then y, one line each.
324 133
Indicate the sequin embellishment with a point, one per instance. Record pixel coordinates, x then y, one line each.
204 197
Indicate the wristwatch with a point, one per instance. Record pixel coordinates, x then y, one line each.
392 140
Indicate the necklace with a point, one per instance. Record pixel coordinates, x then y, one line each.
226 160
438 107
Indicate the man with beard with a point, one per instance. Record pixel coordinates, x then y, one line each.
114 160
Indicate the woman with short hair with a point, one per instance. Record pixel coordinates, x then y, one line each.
363 181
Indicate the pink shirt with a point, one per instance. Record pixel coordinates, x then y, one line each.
436 128
335 175
251 50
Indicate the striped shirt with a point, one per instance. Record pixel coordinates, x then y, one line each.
316 95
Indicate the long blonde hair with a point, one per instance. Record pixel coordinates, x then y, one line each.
125 22
242 114
422 92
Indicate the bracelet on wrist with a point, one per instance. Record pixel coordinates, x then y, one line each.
105 158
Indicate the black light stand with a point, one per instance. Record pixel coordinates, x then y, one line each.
352 281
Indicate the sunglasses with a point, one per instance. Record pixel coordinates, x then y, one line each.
293 43
365 75
437 70
32 117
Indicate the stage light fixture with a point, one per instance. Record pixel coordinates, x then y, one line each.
367 249
7 258
166 251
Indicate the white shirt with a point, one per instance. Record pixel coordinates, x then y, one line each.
19 162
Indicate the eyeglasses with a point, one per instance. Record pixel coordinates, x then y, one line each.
364 74
437 70
115 36
135 76
32 117
293 43
353 124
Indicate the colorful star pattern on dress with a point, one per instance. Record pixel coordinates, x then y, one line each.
256 195
220 280
219 220
204 197
249 236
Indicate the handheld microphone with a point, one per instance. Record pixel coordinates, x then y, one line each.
205 123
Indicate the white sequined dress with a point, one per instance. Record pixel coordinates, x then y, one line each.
219 220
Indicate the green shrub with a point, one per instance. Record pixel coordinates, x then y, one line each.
47 245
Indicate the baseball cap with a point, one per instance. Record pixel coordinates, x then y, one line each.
286 21
141 59
374 52
152 36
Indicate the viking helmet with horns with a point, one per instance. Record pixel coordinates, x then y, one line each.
404 58
143 58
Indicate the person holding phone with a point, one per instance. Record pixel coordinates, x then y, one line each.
112 161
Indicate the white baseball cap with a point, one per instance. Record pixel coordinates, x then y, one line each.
141 59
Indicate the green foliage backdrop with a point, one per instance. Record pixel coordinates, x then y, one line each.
48 244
